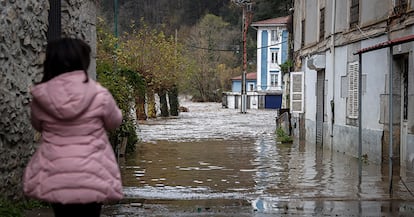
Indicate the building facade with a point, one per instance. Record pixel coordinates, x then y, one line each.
272 51
233 99
328 35
266 89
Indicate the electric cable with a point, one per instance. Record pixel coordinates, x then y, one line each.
232 50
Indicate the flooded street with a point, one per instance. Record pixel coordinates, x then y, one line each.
218 162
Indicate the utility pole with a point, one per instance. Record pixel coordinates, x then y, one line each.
116 34
118 148
116 18
246 5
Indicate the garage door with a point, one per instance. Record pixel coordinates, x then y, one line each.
273 101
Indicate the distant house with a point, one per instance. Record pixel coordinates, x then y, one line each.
233 99
264 87
251 80
272 51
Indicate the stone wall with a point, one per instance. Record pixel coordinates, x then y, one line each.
23 28
79 20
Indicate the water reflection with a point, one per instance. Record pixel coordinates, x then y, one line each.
196 169
245 163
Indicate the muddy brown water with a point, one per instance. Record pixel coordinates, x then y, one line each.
212 161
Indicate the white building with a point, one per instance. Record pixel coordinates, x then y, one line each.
264 91
327 34
272 51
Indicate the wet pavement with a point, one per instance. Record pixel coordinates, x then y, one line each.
218 162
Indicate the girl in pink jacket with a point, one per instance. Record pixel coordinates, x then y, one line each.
74 167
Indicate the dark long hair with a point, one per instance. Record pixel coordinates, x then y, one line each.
66 55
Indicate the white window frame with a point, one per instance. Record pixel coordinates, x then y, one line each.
274 59
274 79
352 100
274 35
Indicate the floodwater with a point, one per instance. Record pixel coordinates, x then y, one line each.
212 161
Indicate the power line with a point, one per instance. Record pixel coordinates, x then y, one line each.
271 45
212 49
232 50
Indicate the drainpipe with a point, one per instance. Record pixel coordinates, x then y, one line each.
333 69
54 30
391 120
359 123
390 109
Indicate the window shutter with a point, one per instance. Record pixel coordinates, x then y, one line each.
296 92
353 69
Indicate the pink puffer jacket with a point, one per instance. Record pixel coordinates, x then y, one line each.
75 162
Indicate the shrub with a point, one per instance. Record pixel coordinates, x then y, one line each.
282 136
9 208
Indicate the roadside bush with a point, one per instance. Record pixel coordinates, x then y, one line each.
9 208
123 83
282 136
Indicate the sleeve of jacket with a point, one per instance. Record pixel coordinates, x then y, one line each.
34 110
112 113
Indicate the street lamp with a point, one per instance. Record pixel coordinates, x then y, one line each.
247 18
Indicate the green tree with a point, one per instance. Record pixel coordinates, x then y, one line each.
121 82
210 44
158 60
267 9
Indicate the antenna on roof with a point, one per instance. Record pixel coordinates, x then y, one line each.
242 2
248 4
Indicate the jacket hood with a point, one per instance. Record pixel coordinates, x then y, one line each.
65 96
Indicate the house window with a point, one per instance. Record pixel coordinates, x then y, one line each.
273 54
273 36
251 87
302 42
322 24
353 79
400 6
274 79
354 13
405 88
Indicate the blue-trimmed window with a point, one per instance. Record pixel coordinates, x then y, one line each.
274 78
274 56
274 35
250 86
